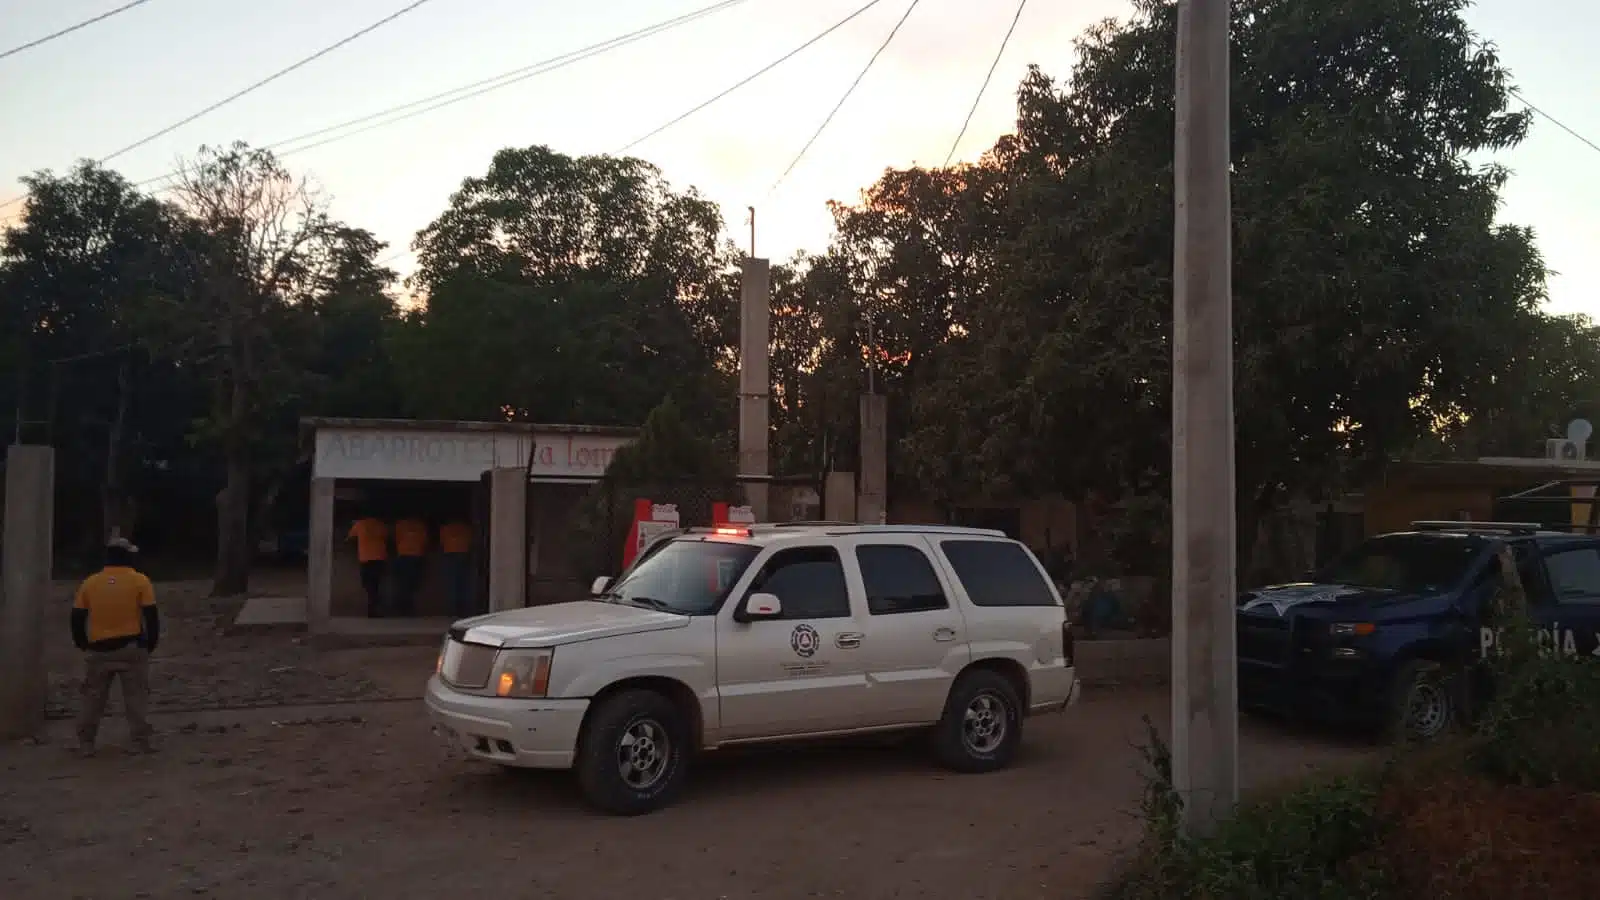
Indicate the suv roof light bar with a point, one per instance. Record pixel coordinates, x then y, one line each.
1494 527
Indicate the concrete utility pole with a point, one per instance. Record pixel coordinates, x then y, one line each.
1205 706
29 524
755 297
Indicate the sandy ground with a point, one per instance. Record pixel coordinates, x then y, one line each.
356 799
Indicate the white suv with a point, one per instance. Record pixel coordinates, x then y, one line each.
717 637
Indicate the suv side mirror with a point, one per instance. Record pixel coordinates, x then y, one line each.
759 606
600 585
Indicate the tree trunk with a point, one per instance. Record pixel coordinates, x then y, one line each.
233 501
113 500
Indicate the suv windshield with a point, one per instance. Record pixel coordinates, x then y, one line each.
684 576
1406 563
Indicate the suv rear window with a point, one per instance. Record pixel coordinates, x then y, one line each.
998 573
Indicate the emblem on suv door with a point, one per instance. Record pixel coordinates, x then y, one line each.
804 640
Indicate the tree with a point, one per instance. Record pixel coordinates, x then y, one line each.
1374 292
86 256
258 243
670 462
566 288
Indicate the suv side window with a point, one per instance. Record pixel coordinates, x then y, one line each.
899 579
1575 575
808 581
997 573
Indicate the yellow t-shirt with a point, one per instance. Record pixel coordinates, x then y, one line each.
411 537
455 537
115 598
372 539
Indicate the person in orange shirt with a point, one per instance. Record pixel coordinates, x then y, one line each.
115 624
455 542
411 553
371 535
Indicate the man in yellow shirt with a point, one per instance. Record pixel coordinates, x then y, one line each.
115 624
455 545
411 552
371 535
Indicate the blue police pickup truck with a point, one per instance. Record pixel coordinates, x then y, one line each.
1381 637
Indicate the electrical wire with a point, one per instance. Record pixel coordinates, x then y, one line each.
265 81
848 91
494 83
71 28
1557 122
753 76
985 86
469 91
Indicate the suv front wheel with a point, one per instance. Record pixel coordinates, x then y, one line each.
982 723
633 753
1424 702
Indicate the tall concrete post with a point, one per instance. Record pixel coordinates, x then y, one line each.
508 538
24 598
1205 707
755 288
872 506
319 555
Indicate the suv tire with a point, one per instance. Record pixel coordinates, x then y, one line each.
982 723
633 753
1424 702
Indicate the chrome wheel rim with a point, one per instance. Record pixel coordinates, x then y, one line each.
642 754
984 725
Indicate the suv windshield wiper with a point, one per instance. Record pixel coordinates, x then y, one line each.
653 603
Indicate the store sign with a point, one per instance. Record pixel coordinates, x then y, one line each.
458 455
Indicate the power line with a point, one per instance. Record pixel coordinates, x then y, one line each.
469 91
71 28
506 79
1558 123
753 76
848 91
985 86
265 81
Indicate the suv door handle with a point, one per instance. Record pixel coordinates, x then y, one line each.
848 640
944 634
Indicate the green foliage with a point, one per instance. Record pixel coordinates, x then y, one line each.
570 289
1309 842
670 462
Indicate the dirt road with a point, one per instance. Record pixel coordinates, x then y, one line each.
357 800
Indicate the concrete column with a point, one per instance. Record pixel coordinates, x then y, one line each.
319 555
755 287
1205 703
839 497
508 539
873 506
24 600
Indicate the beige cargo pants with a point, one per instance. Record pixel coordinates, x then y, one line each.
131 666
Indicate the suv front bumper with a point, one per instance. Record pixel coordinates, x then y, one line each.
526 733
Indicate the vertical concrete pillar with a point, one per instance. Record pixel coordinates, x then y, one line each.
755 286
24 599
873 506
508 538
839 497
1205 700
319 555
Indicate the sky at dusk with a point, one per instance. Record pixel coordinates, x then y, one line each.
101 88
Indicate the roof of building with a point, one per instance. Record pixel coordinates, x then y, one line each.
312 423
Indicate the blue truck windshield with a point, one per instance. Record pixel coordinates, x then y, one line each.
1405 563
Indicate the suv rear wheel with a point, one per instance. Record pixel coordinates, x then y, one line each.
982 723
633 753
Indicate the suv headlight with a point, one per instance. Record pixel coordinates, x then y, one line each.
1352 629
522 673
